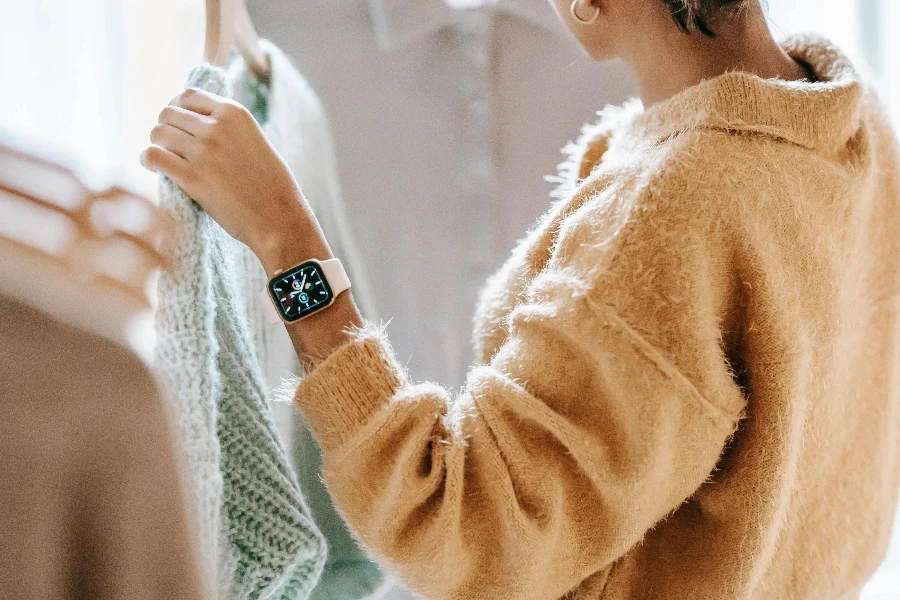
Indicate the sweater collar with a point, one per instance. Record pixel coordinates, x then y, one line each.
794 111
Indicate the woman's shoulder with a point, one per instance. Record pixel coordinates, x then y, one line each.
688 163
641 202
700 172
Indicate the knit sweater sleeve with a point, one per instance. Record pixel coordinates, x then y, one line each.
559 455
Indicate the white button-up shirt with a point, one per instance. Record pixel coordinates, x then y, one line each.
446 120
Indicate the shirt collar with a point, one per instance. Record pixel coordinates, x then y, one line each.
398 22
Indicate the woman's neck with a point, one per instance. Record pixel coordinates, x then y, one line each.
666 61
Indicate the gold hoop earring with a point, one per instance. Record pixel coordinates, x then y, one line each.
574 12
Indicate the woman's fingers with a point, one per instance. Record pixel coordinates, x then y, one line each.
174 140
157 159
190 122
198 101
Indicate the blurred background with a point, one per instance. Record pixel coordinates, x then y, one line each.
435 108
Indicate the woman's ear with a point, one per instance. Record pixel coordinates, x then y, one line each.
585 12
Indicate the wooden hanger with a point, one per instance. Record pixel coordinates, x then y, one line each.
228 24
84 255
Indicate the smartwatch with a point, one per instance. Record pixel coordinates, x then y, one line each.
295 293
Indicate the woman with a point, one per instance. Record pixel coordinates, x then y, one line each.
689 383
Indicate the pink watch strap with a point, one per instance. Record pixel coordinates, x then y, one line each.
335 275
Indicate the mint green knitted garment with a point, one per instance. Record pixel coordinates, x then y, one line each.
253 523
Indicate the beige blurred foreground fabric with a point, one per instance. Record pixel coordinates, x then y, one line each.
90 498
690 369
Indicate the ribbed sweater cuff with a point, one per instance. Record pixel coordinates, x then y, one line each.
340 395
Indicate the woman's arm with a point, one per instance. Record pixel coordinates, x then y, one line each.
557 458
216 152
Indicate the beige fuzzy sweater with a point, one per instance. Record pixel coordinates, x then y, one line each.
689 384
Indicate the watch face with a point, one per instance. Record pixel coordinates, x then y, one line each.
301 291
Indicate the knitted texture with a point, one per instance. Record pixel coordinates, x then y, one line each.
267 546
186 354
293 119
689 380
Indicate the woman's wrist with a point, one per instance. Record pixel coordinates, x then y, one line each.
290 241
316 337
296 238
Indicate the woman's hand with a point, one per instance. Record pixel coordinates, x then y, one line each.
216 152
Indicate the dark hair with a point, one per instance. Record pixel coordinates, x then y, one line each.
696 15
